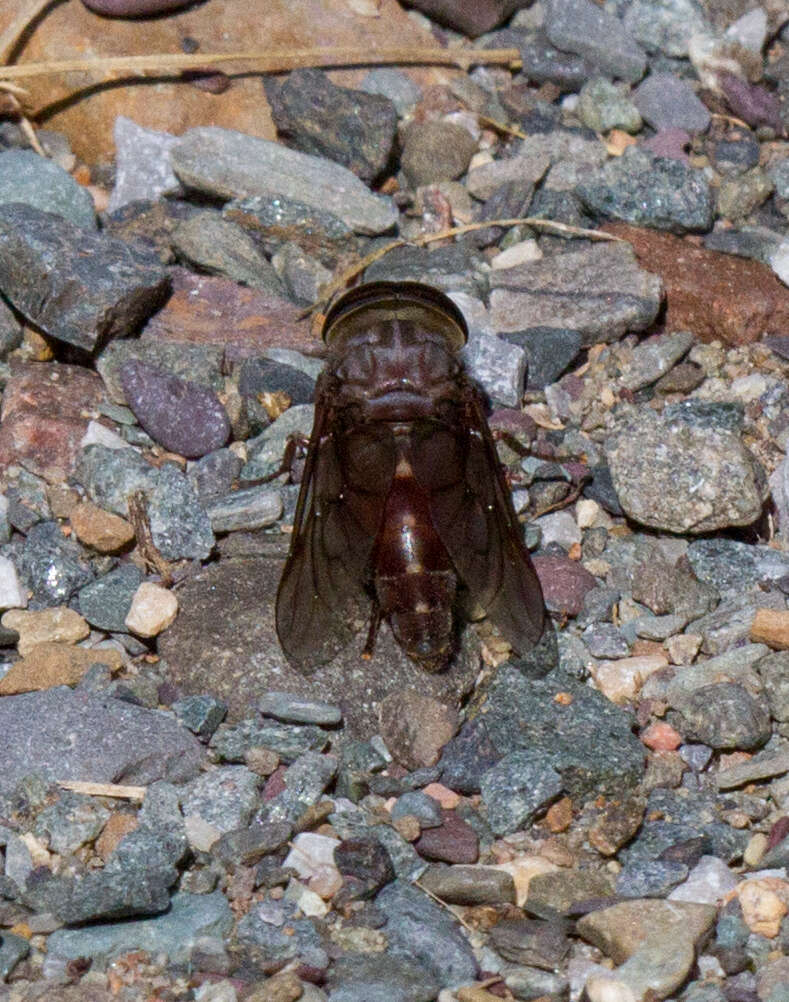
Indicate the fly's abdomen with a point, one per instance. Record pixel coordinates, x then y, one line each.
415 583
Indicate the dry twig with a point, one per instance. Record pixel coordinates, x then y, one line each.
122 792
138 515
258 61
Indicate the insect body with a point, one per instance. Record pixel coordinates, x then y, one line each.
403 504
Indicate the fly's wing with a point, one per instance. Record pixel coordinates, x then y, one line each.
456 463
346 479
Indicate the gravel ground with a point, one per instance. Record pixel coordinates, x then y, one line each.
604 819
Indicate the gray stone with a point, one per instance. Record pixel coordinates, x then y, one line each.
232 741
654 358
274 221
354 128
393 84
731 565
225 798
52 565
302 274
201 714
605 640
647 190
421 806
729 625
599 291
602 106
212 475
60 735
531 941
654 878
232 165
517 788
674 477
499 367
426 934
738 197
291 709
666 25
765 765
105 603
270 927
79 287
12 949
380 977
142 164
523 169
190 917
71 822
33 180
221 247
252 508
549 352
305 781
180 527
668 102
588 741
582 27
726 716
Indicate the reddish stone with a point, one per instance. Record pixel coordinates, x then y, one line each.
44 417
453 841
244 321
778 832
564 583
716 296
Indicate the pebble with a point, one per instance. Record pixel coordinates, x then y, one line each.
564 583
183 417
142 164
220 247
678 478
12 594
393 84
152 610
763 905
669 102
582 27
621 680
700 288
58 624
453 841
771 627
436 151
50 664
602 107
350 127
627 298
515 790
469 885
232 165
100 529
33 180
291 709
252 508
646 190
98 289
105 603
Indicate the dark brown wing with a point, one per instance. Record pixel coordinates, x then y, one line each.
472 511
321 592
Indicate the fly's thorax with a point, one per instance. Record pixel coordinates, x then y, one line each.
395 364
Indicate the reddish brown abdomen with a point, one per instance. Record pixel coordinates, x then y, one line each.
415 583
